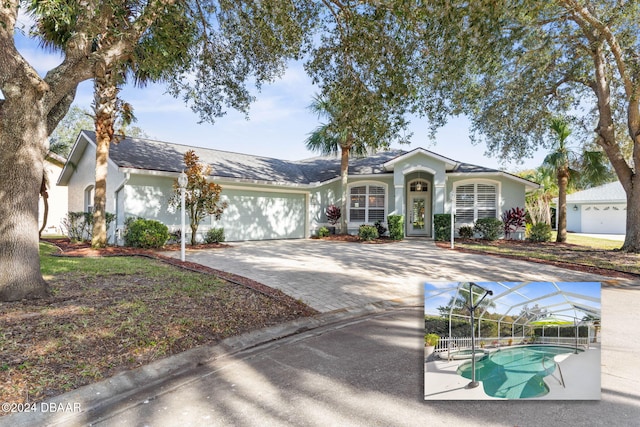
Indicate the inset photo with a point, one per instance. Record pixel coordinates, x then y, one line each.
512 340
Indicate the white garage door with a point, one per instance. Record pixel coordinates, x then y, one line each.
253 215
605 219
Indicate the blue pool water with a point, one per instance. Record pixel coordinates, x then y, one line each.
517 372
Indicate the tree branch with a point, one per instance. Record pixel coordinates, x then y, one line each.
612 41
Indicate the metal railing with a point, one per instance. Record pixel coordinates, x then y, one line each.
462 343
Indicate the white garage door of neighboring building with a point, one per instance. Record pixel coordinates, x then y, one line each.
604 219
253 215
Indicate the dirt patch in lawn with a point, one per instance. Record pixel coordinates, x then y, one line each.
116 309
612 263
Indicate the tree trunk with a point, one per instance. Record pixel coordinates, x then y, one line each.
22 132
194 233
632 237
344 174
105 97
563 180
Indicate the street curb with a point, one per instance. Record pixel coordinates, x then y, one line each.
96 398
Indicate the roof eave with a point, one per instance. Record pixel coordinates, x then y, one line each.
530 185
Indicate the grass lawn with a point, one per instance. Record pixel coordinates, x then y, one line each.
109 314
591 242
579 250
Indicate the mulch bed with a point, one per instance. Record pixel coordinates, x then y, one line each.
560 249
348 238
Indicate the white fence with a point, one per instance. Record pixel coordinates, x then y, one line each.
460 343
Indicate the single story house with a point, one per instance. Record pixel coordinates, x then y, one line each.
278 199
598 210
58 198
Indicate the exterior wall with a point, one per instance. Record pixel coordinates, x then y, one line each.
574 218
147 196
58 201
84 176
319 199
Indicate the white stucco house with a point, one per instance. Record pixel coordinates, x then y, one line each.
278 199
598 210
58 197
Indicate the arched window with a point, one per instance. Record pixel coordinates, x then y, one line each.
475 201
367 203
89 194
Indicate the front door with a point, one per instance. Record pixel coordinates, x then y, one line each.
419 215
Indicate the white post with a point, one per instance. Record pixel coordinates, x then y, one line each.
452 196
182 183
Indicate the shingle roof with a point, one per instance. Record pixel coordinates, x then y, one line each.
603 193
147 154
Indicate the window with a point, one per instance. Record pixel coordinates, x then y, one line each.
367 203
89 194
474 201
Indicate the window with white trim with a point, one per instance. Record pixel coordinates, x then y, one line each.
89 194
367 203
475 201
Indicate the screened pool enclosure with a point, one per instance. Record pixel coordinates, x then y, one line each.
512 313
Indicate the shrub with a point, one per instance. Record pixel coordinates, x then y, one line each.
367 232
145 233
333 214
381 228
396 226
488 228
323 232
431 339
214 235
539 232
442 226
466 232
513 219
79 225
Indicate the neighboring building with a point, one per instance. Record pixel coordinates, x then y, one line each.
598 210
277 199
58 199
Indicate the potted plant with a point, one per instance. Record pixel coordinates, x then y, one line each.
482 344
510 341
430 343
333 216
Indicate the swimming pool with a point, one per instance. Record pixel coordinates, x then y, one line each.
516 372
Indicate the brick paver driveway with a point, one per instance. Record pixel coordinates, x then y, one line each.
334 275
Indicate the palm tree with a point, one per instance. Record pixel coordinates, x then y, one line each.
568 165
328 140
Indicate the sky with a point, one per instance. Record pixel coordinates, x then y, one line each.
439 293
278 122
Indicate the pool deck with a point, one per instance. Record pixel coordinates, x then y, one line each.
581 373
